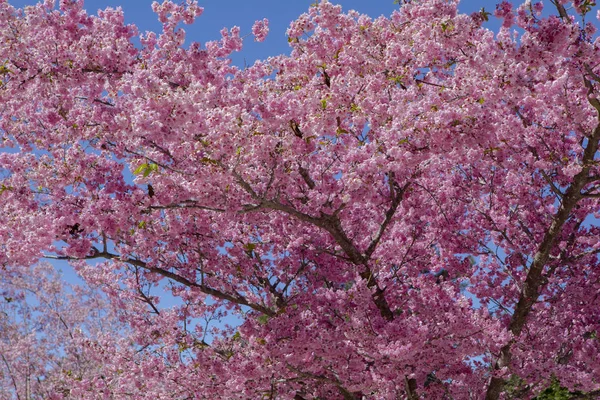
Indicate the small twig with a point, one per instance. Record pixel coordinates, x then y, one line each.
431 83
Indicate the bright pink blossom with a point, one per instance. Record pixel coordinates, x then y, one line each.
401 207
260 30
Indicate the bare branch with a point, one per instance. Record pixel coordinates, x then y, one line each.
397 196
552 185
306 176
411 388
562 12
186 204
234 298
431 83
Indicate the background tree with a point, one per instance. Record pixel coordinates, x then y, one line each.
401 207
50 331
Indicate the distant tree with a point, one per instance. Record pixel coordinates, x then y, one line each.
402 207
50 331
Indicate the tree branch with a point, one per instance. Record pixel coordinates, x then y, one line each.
562 12
236 298
411 388
186 204
332 224
344 392
12 377
397 196
306 176
534 281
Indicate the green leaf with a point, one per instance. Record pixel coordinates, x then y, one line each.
4 188
206 160
146 169
490 150
263 319
250 246
484 14
182 347
4 69
398 79
586 6
140 169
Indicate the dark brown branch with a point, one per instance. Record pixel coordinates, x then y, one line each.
591 99
243 184
148 301
430 83
591 73
332 224
326 78
534 281
186 204
411 388
306 176
143 295
296 129
106 103
236 298
397 194
562 12
552 185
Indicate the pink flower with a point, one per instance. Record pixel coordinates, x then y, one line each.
260 30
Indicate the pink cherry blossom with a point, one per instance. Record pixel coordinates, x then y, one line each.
402 207
260 30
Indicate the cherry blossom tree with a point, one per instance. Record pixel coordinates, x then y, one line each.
50 333
402 207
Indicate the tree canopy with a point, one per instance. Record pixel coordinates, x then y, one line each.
402 207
